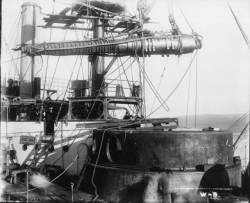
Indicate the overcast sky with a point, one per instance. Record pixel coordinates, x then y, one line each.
223 62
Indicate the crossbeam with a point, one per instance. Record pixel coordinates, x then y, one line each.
73 17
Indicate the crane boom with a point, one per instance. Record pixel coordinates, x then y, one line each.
154 45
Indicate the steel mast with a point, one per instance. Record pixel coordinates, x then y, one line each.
97 62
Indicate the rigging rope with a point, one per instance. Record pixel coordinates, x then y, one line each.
119 66
13 30
238 120
41 69
131 72
156 93
96 163
58 59
158 87
188 23
177 85
120 75
130 88
242 132
73 141
188 97
64 171
196 90
21 79
17 58
7 47
47 62
67 87
239 26
79 69
129 66
124 73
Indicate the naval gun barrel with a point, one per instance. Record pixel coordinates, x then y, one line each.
134 46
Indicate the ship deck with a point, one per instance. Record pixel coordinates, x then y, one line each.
54 192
